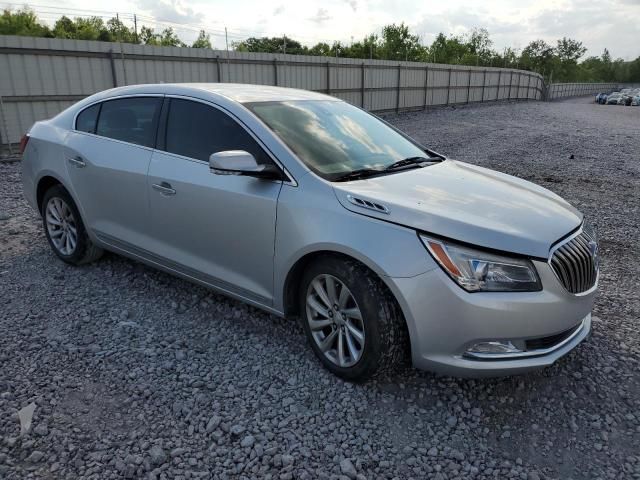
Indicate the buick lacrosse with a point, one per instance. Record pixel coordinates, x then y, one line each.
311 208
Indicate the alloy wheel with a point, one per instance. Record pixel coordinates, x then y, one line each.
61 226
335 320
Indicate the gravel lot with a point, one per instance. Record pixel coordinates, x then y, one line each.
136 374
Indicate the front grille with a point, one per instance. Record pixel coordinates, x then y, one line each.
542 343
575 262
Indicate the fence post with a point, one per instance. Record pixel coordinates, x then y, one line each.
113 69
218 68
426 86
398 91
528 86
328 78
469 86
448 86
499 81
124 67
275 71
6 129
510 83
484 82
362 89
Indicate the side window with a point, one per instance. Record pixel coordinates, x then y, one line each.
197 130
132 120
86 121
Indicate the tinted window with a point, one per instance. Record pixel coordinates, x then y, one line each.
333 137
196 130
86 121
131 120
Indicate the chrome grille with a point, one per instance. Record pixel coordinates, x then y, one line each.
575 261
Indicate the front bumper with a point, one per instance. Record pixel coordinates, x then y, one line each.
444 321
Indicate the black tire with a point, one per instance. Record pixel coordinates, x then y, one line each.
85 250
386 345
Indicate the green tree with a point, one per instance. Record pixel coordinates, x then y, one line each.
22 22
320 49
399 44
478 47
369 47
203 41
538 56
166 38
447 49
119 32
568 52
147 36
271 45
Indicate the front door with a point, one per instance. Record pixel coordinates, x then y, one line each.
216 228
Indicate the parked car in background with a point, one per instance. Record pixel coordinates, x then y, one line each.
601 98
625 99
613 98
636 101
308 207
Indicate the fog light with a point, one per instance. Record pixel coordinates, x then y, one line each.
494 348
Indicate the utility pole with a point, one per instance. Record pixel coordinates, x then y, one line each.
226 39
284 44
135 26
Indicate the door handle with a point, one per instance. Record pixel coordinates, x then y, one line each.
164 188
77 162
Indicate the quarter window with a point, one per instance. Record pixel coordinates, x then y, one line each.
196 130
86 121
131 120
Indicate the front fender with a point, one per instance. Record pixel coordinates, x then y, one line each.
314 221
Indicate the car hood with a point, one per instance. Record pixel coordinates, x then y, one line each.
467 203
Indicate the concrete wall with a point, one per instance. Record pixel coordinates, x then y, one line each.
39 77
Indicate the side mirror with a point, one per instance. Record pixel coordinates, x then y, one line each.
239 162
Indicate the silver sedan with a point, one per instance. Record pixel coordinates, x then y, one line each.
308 207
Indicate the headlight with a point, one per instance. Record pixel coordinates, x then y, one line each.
478 271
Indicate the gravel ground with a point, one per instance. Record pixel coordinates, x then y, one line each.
136 374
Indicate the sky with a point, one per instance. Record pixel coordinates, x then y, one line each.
612 24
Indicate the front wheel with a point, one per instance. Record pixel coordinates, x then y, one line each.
352 321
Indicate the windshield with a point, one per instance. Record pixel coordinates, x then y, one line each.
334 138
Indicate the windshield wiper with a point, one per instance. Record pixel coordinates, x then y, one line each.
358 174
399 165
411 161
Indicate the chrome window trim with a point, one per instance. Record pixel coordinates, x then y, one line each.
129 144
290 179
560 244
102 100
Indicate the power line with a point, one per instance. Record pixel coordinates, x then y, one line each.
235 33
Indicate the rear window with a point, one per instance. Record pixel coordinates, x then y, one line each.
86 121
132 120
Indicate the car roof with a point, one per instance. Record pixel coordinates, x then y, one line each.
238 92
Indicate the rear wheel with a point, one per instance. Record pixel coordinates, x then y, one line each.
64 229
352 321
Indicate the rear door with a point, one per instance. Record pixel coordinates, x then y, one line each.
217 228
107 158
